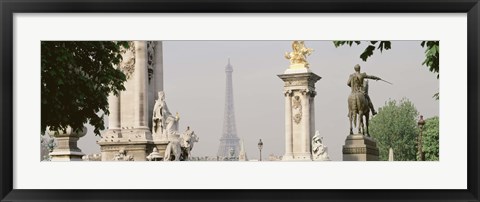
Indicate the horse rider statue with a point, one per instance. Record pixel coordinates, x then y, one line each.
359 102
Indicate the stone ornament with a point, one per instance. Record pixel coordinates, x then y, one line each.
360 150
298 57
288 93
155 155
122 156
128 63
150 58
309 92
297 109
298 83
66 148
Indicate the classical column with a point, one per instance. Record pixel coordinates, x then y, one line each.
299 78
141 83
158 71
306 123
288 126
312 115
114 108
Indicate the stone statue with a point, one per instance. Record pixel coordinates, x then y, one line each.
359 102
319 150
172 125
189 138
160 111
179 149
163 122
299 54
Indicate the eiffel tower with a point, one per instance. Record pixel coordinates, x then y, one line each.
229 139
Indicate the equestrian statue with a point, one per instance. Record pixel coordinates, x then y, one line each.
359 103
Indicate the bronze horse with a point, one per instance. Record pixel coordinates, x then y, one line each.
358 107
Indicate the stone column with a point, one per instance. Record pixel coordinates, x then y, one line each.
114 122
312 115
158 71
141 83
306 124
302 84
288 126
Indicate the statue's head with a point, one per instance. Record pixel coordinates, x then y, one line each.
295 46
161 95
357 68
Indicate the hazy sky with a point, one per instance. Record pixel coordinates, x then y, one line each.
194 83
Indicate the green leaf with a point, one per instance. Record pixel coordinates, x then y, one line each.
367 52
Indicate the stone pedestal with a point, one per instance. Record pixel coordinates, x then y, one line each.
66 149
360 148
299 91
135 142
138 150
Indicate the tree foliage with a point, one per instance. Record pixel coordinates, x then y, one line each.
77 78
383 45
395 126
430 139
432 53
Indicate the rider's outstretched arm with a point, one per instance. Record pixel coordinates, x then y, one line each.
372 77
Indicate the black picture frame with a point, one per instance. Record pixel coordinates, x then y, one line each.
10 7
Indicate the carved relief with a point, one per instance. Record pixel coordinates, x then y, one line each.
297 83
122 156
128 63
359 150
297 109
312 93
150 58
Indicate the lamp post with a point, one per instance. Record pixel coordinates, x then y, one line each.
420 155
260 146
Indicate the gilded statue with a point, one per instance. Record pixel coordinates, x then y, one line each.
298 57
